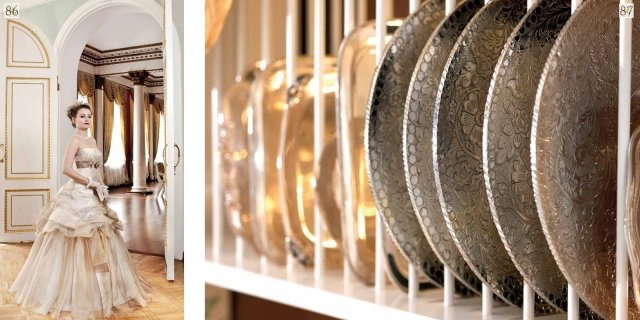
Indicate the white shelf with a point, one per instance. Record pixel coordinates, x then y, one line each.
333 297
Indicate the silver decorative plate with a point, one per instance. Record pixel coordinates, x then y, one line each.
573 150
457 148
383 137
505 151
416 139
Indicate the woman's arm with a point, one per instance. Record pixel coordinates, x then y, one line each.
67 165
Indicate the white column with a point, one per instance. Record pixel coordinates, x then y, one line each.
139 165
149 110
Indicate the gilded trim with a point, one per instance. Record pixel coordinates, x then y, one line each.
47 166
36 39
6 206
143 46
119 60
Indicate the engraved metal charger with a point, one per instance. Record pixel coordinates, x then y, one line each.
505 151
573 151
356 65
457 148
416 139
632 220
383 137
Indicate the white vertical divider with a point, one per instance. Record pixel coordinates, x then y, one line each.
319 36
574 5
265 58
362 12
530 3
349 13
291 52
413 272
240 62
217 222
381 17
413 6
528 295
239 251
624 131
266 32
449 280
241 47
414 282
487 300
528 303
449 287
573 302
336 23
487 293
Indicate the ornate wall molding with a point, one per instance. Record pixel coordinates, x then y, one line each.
28 40
97 57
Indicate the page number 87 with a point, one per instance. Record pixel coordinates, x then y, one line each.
626 10
11 10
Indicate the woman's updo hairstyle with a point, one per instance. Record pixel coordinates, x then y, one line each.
73 109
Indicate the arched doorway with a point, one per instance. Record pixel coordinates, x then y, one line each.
74 34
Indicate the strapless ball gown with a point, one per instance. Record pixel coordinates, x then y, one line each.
79 266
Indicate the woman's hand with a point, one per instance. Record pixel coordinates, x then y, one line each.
103 192
93 184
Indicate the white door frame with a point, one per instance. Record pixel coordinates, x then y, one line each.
68 46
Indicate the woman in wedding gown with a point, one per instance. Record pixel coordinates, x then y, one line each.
79 267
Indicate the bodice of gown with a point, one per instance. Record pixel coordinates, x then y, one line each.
76 210
88 162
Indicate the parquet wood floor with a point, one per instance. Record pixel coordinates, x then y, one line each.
167 297
143 218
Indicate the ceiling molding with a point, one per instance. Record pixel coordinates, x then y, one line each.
150 81
154 78
97 57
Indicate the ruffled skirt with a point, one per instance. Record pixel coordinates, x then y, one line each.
79 266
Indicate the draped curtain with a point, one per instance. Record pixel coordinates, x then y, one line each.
87 87
157 106
107 126
153 106
114 93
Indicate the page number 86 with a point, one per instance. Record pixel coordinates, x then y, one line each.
11 10
626 10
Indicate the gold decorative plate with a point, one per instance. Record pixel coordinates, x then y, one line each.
573 150
296 172
268 103
234 154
